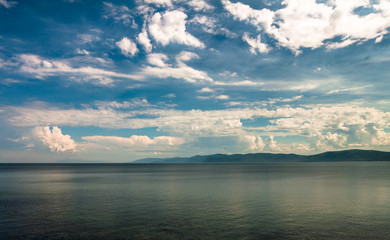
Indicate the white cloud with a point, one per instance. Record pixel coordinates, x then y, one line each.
379 39
157 59
199 5
228 74
170 95
181 71
310 24
222 97
135 140
271 144
244 12
105 118
329 141
255 143
7 4
335 127
180 122
43 67
323 128
160 3
128 47
280 85
185 56
239 83
353 89
275 100
211 26
342 44
256 44
88 38
204 97
82 51
144 40
9 81
54 139
134 103
119 14
170 27
206 90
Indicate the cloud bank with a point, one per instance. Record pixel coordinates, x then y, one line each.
312 24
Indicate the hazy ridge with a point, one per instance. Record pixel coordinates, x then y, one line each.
332 156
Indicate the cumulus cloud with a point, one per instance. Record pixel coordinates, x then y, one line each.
255 143
144 40
127 46
329 141
256 44
170 27
34 64
54 139
313 24
271 144
336 127
242 12
181 71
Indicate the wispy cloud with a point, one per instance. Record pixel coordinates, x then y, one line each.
181 71
119 14
7 4
41 68
134 141
255 44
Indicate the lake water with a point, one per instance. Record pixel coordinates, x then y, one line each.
195 201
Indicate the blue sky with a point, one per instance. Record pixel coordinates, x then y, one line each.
118 81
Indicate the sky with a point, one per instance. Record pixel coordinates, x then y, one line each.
116 81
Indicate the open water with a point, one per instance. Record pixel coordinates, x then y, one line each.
349 200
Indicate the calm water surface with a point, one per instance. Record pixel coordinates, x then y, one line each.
195 201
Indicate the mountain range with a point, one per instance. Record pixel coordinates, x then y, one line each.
331 156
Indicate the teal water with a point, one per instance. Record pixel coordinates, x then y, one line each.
195 201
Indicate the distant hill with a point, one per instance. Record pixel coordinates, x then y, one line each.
336 156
